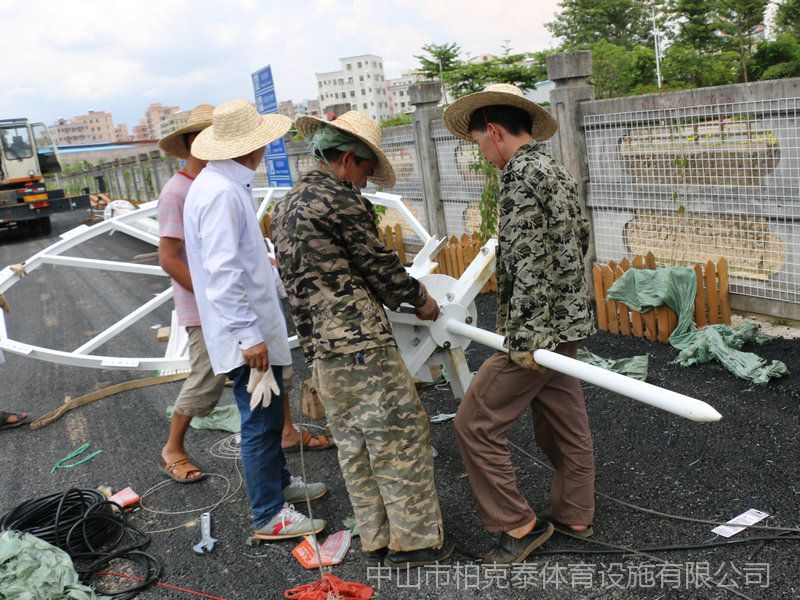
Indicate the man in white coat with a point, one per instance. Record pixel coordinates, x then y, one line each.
241 315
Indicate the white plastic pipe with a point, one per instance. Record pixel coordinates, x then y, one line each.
678 404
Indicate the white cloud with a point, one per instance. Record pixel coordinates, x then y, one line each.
120 56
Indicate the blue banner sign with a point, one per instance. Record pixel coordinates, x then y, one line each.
275 157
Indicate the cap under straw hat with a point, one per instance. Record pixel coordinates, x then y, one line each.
366 130
457 115
238 129
199 119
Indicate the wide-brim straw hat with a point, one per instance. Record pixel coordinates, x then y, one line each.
365 129
238 129
174 144
457 115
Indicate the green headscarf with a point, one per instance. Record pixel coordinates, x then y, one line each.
326 137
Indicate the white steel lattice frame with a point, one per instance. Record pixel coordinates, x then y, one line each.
421 343
701 182
141 225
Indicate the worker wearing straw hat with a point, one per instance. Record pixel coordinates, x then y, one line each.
201 391
543 302
339 276
240 312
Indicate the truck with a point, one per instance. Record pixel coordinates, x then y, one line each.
27 154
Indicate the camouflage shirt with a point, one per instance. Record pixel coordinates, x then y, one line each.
337 273
543 298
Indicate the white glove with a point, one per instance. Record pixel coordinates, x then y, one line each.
278 283
260 384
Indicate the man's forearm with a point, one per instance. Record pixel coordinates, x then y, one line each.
178 270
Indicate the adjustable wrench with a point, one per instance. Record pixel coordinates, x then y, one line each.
206 544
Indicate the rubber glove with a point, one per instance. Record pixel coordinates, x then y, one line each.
261 386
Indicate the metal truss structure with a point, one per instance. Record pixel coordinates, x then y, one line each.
421 343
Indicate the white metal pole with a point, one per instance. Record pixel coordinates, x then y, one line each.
657 47
678 404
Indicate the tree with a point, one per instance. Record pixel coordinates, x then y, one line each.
738 19
440 58
685 66
787 17
697 24
777 59
517 69
620 71
625 23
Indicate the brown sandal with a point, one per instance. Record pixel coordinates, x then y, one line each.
323 443
180 469
22 418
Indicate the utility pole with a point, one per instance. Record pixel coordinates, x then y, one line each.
441 81
657 46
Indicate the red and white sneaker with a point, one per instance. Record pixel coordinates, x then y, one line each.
287 524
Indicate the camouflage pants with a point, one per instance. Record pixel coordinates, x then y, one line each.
383 438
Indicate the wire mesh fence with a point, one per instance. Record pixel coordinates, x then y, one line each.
698 183
460 184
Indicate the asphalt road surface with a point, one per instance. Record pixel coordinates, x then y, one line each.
644 457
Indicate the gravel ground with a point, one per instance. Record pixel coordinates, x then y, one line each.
644 457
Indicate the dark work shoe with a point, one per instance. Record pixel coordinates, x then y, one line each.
568 530
511 551
418 558
375 557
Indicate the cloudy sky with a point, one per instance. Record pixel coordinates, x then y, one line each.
60 58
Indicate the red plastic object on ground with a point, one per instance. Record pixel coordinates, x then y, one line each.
346 590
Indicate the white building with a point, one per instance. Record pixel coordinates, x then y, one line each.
360 83
541 93
398 92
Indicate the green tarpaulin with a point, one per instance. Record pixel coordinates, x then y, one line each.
222 418
635 366
643 289
32 569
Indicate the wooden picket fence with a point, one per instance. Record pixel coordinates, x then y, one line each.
266 226
456 256
711 302
392 237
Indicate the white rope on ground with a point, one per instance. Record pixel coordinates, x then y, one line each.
227 449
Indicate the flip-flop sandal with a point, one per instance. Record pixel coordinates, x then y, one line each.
4 424
323 443
564 528
179 470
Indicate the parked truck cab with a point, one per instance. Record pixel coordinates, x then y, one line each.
27 154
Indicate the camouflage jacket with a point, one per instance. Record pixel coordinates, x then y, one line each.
543 298
337 273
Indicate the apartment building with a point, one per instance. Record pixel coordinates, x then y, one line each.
288 109
94 127
121 133
398 92
312 108
173 121
360 82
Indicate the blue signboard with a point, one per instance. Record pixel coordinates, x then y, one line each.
276 159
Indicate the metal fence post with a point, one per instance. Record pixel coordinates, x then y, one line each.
155 160
569 70
425 97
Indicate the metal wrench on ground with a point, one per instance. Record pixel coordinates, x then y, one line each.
207 542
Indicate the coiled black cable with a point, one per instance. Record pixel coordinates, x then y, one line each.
82 523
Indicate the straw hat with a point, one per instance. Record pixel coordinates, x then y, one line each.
199 119
457 115
365 129
237 130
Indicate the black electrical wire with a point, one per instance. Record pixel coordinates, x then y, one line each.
85 525
677 548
